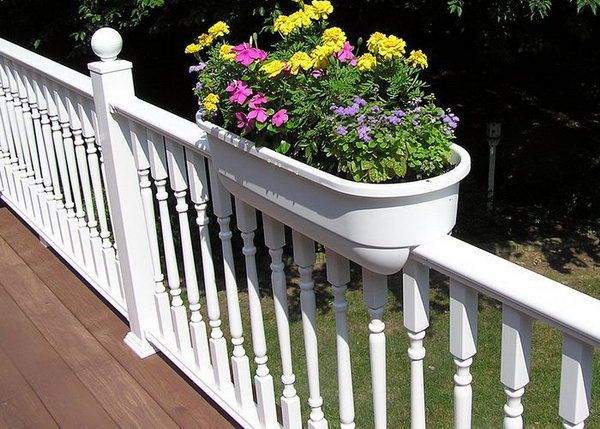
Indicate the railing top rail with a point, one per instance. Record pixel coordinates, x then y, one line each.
52 70
164 122
547 300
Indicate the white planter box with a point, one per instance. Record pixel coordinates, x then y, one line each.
374 225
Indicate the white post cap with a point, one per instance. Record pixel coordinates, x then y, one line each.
107 43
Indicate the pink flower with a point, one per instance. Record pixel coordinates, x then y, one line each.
317 73
257 100
246 54
279 118
260 114
244 122
239 91
345 54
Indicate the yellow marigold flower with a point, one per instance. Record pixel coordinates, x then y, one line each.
300 60
273 68
192 48
219 29
366 61
210 102
284 25
320 56
310 11
205 40
392 47
300 19
322 8
374 40
226 54
334 37
418 59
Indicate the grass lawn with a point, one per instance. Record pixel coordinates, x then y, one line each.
542 394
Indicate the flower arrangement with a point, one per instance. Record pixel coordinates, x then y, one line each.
314 96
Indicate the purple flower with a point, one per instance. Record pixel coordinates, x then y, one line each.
359 101
395 120
329 118
399 113
363 133
341 130
352 109
198 86
375 109
197 68
361 118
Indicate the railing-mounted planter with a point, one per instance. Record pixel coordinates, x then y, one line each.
374 225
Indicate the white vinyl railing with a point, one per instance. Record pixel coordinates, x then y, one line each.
88 166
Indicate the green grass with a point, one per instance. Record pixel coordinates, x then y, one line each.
541 397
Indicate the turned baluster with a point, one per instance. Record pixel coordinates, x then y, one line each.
375 297
463 346
338 275
64 208
575 382
40 159
416 320
75 214
33 173
304 256
515 363
274 232
263 380
14 110
240 365
86 157
51 180
5 139
161 297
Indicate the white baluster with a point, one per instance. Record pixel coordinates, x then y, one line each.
76 214
463 346
515 363
81 179
263 380
161 298
198 184
290 402
221 202
30 150
375 297
82 131
304 256
178 311
178 180
338 275
51 180
15 115
11 131
6 138
575 382
42 173
97 174
65 211
416 321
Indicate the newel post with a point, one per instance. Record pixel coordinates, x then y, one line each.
111 79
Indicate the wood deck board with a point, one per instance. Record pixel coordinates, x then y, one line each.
183 404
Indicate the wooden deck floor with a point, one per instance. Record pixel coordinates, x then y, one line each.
63 362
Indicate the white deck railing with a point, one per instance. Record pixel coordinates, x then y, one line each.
82 160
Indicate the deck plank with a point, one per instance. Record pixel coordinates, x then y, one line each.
184 404
114 388
62 393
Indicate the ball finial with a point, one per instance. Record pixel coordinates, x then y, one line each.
107 43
